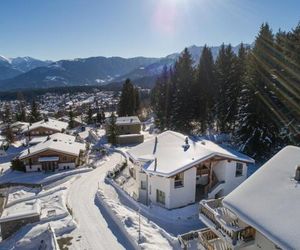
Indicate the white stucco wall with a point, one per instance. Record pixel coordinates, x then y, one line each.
225 171
157 182
71 165
33 168
185 195
174 197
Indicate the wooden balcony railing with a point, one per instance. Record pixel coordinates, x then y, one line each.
240 234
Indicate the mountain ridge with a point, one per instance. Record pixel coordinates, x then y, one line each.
28 72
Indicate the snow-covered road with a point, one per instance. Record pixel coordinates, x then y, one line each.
93 230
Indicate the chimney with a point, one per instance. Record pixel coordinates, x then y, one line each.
155 164
297 174
46 119
28 150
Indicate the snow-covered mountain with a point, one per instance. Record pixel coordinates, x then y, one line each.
27 63
27 72
12 67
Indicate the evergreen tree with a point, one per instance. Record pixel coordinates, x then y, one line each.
102 116
205 91
129 100
112 131
159 98
35 113
99 117
258 128
71 119
9 135
21 114
183 98
227 89
89 118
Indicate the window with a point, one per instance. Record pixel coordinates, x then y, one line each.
143 185
239 169
178 182
160 197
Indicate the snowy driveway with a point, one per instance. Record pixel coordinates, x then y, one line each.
93 231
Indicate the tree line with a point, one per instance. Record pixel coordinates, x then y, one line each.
253 95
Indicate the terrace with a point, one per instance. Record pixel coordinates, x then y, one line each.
226 224
204 239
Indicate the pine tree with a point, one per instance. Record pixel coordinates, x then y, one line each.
129 100
258 126
205 91
112 131
160 98
35 114
227 88
9 135
89 118
183 97
71 119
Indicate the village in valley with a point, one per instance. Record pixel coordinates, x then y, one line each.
196 148
78 176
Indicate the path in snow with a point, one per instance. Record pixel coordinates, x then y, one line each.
93 231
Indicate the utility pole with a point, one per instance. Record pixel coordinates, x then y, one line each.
139 225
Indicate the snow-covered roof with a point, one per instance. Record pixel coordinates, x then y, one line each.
20 211
269 199
126 120
57 142
48 123
173 155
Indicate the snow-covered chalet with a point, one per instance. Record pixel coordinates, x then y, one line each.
173 170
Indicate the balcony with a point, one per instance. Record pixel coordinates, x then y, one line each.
204 237
226 223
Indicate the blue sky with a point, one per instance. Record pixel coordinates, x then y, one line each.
66 29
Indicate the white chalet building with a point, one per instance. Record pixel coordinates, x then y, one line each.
262 213
173 170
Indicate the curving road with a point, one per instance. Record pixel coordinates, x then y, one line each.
93 233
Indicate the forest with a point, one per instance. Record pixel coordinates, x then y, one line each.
253 96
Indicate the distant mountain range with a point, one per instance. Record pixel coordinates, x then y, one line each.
26 72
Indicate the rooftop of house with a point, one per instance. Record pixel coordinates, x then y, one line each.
126 120
47 123
58 136
269 199
20 211
57 142
173 152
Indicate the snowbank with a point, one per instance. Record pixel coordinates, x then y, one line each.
151 235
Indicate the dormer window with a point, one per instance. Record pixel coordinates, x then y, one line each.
179 180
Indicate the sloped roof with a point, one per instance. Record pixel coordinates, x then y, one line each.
58 142
125 120
50 124
173 156
269 200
